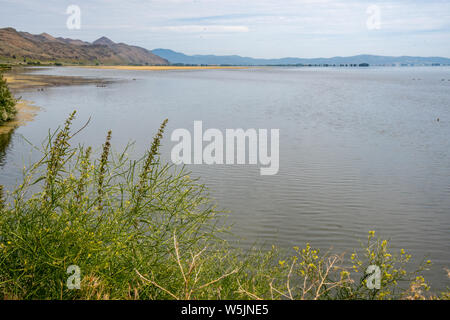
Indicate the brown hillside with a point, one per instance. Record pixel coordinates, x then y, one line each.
44 47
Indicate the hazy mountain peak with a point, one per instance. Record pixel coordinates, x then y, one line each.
48 37
104 41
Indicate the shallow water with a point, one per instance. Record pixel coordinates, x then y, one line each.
360 149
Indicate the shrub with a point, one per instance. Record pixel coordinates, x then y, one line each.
108 216
7 102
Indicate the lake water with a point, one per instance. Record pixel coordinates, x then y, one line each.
360 149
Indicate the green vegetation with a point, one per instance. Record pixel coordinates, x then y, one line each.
7 102
4 67
8 63
141 229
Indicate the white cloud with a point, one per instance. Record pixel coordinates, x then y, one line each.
201 29
264 28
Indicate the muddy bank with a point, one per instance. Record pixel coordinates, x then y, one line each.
20 79
26 112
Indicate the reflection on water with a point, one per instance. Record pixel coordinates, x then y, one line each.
5 140
360 149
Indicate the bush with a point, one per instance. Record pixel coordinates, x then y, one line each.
7 102
108 216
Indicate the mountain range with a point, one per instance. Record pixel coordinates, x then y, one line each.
26 47
180 58
44 47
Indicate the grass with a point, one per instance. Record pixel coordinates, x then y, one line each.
142 229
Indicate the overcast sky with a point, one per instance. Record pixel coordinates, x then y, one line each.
256 28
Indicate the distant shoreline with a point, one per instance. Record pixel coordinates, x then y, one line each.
21 79
156 68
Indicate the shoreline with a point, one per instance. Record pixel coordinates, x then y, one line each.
164 68
20 80
26 112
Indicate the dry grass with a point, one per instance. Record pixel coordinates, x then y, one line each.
191 274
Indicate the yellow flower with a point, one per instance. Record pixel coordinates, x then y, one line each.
282 262
311 265
383 294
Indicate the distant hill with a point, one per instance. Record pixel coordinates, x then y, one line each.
44 47
180 58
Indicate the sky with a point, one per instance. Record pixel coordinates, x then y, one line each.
255 28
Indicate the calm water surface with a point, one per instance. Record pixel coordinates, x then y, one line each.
360 149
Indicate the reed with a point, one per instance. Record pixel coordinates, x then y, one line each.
102 169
